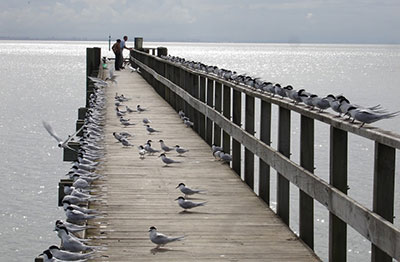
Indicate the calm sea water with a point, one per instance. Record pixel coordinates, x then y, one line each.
46 81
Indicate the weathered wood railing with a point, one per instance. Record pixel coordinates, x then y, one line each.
207 100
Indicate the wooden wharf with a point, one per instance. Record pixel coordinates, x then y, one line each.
234 225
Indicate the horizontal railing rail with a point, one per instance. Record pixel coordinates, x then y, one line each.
207 100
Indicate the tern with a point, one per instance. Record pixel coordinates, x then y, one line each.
142 152
164 147
216 148
188 191
151 130
140 109
160 239
48 257
70 243
367 116
72 227
61 143
167 160
180 150
68 256
146 121
186 204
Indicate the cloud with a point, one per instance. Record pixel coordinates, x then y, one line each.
206 20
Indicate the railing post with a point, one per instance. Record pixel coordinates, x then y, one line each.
226 139
248 155
265 136
210 103
383 198
282 191
338 179
237 119
202 119
195 94
306 203
218 107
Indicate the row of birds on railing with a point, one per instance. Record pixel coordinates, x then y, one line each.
82 191
339 104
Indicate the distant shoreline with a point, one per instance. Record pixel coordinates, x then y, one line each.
189 41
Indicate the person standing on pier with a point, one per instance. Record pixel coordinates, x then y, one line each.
118 54
123 46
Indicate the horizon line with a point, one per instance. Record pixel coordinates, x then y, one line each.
23 38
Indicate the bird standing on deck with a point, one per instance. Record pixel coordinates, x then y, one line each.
186 204
160 239
167 161
188 191
151 130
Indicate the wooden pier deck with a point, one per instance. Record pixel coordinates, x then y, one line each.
234 225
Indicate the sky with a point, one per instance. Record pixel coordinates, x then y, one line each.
282 21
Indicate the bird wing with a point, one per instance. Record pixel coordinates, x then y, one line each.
51 131
160 238
74 134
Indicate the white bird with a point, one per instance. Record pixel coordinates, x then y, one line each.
98 81
112 77
164 147
149 149
48 257
125 142
180 150
151 130
186 204
188 191
72 227
133 69
226 158
188 123
85 210
216 148
146 121
142 152
160 239
61 143
77 216
70 243
140 109
69 256
167 161
365 115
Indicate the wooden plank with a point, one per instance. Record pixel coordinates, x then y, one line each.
306 203
265 136
234 225
338 179
367 223
383 195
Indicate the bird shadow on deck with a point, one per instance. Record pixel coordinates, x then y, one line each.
185 212
155 250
